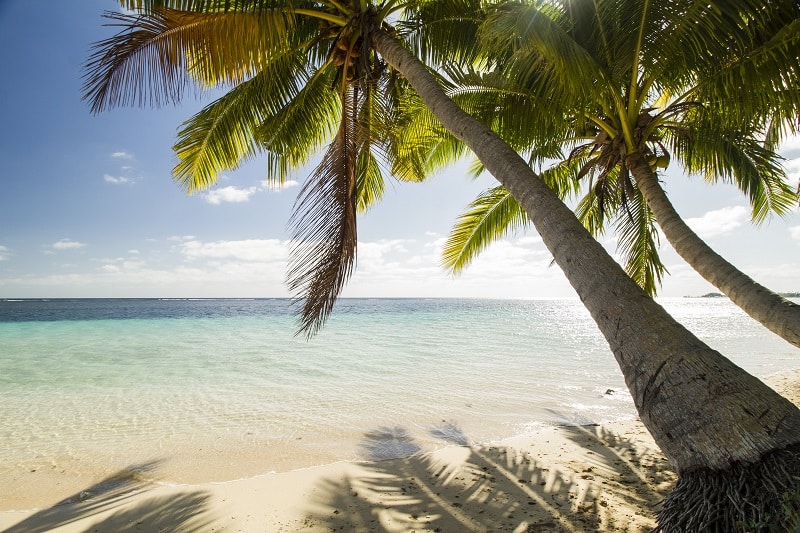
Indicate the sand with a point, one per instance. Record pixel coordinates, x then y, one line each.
578 478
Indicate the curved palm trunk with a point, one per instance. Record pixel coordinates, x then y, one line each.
705 413
773 311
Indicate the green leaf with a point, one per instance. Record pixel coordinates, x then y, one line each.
638 241
489 218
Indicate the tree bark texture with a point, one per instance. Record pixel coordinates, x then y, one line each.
776 313
702 410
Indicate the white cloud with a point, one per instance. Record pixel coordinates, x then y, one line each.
277 187
792 144
109 269
229 194
67 244
116 180
507 269
530 239
375 254
122 155
4 252
720 221
794 231
251 250
793 171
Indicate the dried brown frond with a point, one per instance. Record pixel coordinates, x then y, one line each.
323 255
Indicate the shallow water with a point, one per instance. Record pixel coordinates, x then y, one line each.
221 389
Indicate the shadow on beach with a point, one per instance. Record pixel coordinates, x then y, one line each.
614 487
184 512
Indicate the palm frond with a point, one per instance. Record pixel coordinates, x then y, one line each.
602 198
372 139
541 53
154 58
418 144
764 82
489 218
201 6
526 121
741 158
370 184
638 241
444 32
562 177
308 120
323 254
225 132
590 213
685 35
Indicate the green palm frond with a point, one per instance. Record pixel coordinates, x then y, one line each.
590 214
562 177
685 35
602 198
489 218
302 126
153 59
638 241
446 151
204 6
476 168
372 142
763 83
741 158
495 214
542 54
224 133
419 144
370 184
527 122
491 99
323 254
444 32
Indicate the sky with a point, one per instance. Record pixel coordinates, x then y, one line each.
88 207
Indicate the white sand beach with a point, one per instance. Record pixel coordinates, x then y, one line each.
578 478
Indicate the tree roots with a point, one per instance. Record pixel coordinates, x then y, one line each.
761 496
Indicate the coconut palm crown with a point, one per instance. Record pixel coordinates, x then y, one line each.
298 78
619 90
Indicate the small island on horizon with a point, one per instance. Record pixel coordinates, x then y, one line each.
720 295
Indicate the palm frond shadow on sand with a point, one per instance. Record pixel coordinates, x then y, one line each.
186 512
495 488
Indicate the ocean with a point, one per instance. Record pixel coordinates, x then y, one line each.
222 389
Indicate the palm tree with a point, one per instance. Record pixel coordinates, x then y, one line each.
716 423
635 85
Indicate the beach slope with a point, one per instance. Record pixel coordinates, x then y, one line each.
569 478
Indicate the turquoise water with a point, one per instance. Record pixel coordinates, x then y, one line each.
90 386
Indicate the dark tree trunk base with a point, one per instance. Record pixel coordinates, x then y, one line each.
761 496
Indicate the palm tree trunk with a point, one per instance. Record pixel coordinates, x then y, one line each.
776 313
709 416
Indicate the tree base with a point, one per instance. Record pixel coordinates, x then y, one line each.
760 496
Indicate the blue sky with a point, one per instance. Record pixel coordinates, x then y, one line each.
88 207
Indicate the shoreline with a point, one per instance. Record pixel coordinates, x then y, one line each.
607 477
